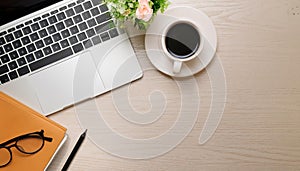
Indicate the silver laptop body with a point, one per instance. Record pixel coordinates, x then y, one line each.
62 54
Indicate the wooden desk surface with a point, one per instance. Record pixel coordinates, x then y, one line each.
259 47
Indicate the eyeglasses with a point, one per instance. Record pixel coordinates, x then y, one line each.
28 144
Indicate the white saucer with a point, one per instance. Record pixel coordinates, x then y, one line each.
153 44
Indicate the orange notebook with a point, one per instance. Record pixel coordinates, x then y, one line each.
17 119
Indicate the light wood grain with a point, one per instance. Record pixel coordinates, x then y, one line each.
259 47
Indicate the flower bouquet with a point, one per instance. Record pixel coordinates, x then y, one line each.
140 12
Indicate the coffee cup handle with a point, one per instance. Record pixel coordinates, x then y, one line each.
177 67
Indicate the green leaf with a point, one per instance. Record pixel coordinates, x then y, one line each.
124 10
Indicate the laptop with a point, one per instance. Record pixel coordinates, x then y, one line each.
55 53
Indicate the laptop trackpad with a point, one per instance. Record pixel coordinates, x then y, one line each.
67 83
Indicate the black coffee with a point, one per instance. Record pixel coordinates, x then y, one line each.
182 40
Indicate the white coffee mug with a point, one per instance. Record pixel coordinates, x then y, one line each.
178 60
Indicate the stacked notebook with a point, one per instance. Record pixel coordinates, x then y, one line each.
17 119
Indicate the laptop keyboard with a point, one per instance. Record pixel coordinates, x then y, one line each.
54 36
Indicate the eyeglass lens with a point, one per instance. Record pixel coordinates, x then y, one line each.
5 156
28 145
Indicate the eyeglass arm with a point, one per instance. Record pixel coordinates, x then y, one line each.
26 135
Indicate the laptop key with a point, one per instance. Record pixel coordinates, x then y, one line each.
39 44
24 70
72 5
51 59
104 27
96 40
9 38
96 2
22 51
39 54
87 44
31 48
12 65
11 30
77 19
77 48
52 19
13 55
92 22
20 26
1 51
65 33
30 58
3 69
21 61
60 26
8 48
103 8
56 37
37 19
90 32
95 11
74 30
2 41
47 51
113 33
56 47
28 22
25 40
104 36
18 34
45 15
64 43
51 29
63 8
61 16
83 26
4 59
54 12
4 79
86 15
44 23
3 33
17 44
102 18
78 9
70 12
48 40
73 40
82 36
35 26
26 30
69 22
13 75
34 37
43 33
87 5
